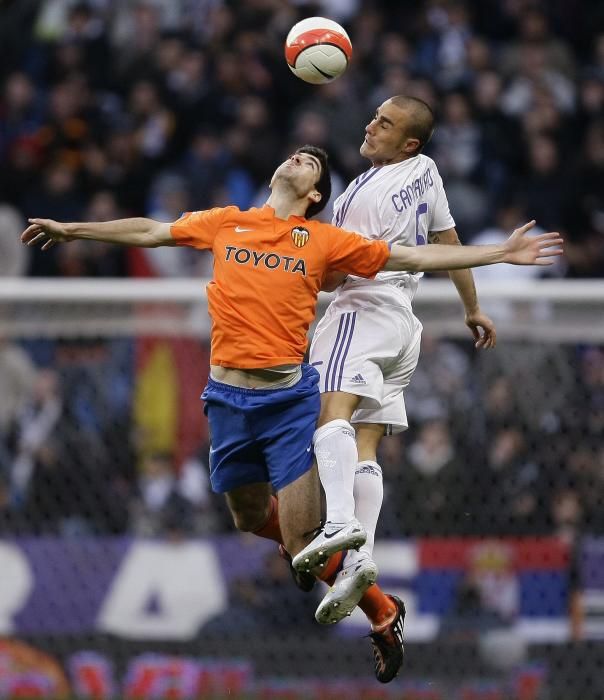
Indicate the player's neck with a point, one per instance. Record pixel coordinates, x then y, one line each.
397 159
285 205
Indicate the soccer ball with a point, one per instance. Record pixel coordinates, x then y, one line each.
317 50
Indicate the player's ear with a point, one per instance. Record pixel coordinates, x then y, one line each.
315 195
411 146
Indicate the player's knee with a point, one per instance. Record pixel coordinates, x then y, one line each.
330 414
248 519
367 448
337 406
332 427
294 543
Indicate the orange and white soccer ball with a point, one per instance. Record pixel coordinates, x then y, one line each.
317 50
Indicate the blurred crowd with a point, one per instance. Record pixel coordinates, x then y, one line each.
154 107
504 443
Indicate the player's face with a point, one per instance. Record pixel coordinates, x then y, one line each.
386 139
301 171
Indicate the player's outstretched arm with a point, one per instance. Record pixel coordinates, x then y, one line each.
481 326
141 232
519 249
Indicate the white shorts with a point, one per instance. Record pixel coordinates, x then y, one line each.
371 353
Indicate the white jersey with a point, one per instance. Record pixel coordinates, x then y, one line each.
398 203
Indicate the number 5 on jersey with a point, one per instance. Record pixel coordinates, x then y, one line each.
421 235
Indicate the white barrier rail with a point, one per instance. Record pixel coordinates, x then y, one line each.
193 290
539 310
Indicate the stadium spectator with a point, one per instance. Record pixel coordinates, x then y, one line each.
58 192
46 503
253 601
8 516
432 489
17 378
102 261
534 74
37 421
442 383
13 262
534 28
457 149
169 501
512 486
20 111
545 185
159 502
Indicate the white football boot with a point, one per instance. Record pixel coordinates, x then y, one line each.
348 588
334 537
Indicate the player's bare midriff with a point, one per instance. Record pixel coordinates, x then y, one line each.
265 378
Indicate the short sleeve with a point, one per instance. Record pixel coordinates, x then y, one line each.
352 253
441 218
197 228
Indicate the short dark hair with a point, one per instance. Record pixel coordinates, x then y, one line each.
421 124
323 184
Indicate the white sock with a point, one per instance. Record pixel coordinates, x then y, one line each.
337 456
368 496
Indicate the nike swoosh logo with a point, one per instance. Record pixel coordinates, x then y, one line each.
333 534
308 448
322 72
239 229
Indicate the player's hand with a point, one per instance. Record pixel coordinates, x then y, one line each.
45 231
483 330
521 249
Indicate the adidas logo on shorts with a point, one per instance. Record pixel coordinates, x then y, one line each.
358 379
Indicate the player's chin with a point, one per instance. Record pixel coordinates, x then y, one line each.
283 176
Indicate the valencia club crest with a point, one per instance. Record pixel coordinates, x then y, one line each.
300 236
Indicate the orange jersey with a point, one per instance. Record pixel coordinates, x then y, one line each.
267 276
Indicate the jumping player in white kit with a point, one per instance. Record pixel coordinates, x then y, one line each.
367 345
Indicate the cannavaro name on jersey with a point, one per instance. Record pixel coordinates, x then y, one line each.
412 192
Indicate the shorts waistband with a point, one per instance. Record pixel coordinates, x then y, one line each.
212 383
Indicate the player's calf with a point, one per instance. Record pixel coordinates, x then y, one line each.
303 580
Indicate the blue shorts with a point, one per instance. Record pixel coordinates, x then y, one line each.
261 435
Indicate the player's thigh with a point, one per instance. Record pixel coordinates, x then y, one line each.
284 430
349 351
249 505
391 415
235 459
400 371
391 411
